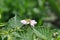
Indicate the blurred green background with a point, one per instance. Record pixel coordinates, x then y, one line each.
45 12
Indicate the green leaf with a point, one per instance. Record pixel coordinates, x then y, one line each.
43 33
27 35
16 34
15 22
38 34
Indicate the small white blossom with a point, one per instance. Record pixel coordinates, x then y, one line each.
33 22
23 21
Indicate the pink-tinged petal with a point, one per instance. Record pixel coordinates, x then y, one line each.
32 25
33 22
23 21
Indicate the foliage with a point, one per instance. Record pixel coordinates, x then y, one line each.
13 11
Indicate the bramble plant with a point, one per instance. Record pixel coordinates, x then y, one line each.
29 19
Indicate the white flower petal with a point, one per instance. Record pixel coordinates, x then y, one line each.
33 22
23 21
